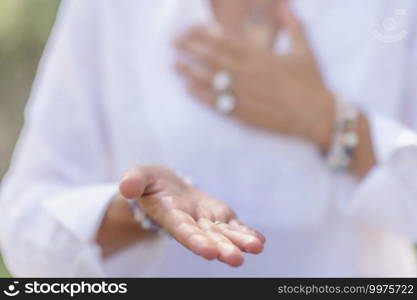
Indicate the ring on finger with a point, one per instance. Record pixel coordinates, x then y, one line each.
222 81
225 103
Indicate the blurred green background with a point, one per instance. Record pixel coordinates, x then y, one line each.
24 29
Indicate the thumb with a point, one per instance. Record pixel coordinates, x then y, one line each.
292 24
135 182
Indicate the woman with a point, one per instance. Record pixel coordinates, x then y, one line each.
294 119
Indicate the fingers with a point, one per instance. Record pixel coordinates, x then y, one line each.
209 56
243 228
196 72
202 92
199 81
186 231
210 240
229 252
134 182
216 37
293 25
243 111
214 210
213 47
245 241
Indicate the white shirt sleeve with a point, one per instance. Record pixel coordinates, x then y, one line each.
58 186
387 196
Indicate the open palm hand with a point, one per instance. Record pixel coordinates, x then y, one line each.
204 225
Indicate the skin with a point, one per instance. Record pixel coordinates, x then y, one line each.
282 94
185 212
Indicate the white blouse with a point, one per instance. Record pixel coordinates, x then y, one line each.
107 98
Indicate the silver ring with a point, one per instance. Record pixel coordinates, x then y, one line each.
225 103
222 81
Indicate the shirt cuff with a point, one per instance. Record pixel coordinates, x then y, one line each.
388 136
386 197
81 210
384 201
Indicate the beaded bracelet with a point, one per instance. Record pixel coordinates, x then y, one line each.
140 217
345 137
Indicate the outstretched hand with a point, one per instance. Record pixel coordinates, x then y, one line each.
204 225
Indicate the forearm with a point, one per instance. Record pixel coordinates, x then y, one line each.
119 229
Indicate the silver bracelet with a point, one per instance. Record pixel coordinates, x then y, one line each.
140 217
345 137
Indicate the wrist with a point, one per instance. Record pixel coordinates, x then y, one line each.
118 229
321 130
141 217
364 158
